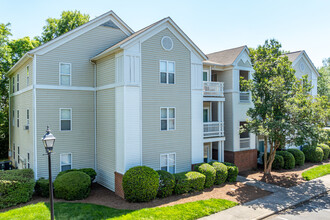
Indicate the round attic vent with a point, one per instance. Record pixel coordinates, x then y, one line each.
302 66
167 43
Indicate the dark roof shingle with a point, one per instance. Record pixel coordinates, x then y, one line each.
225 57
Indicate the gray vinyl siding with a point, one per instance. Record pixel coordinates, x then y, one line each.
19 136
156 95
106 139
22 76
229 129
78 52
106 70
79 141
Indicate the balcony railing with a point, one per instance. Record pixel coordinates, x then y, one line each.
244 143
213 88
244 96
213 129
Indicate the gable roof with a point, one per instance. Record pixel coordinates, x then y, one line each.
143 32
295 56
292 56
224 57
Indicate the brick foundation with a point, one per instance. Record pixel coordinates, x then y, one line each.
119 185
245 160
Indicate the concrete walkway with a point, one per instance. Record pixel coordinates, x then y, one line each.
281 199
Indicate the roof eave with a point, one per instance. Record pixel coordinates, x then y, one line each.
19 63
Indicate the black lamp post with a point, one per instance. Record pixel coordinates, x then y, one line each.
48 141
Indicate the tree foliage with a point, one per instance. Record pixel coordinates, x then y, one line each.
323 87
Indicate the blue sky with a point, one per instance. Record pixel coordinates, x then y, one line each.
212 25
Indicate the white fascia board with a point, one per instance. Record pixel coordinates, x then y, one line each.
238 58
309 61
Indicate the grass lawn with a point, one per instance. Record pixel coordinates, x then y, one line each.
75 211
316 172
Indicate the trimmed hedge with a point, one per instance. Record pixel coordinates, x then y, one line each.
209 173
42 187
278 162
16 186
232 172
140 184
72 185
89 171
221 172
313 153
299 156
289 161
188 182
326 150
166 184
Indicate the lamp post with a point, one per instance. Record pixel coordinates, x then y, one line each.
48 141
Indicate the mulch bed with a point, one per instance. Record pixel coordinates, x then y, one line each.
283 178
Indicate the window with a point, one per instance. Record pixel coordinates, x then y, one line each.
13 81
65 74
167 119
17 82
244 95
167 71
17 116
27 75
13 117
66 161
27 117
244 137
14 151
28 160
18 158
167 162
66 119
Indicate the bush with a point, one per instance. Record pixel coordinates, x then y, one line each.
72 185
189 182
232 172
89 171
221 172
299 156
289 161
313 153
140 184
278 162
326 150
42 187
209 173
166 184
16 186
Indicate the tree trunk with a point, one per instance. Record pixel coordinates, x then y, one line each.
265 154
268 160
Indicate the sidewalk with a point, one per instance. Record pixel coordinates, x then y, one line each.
281 199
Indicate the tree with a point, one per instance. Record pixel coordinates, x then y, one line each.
279 98
56 27
323 87
20 46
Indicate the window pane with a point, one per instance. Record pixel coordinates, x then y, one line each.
66 167
172 112
245 134
204 76
171 124
163 67
171 78
164 125
65 68
163 77
65 80
65 159
164 113
172 169
163 160
171 160
171 67
66 114
65 125
164 168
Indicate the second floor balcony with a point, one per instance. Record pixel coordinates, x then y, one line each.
213 129
213 89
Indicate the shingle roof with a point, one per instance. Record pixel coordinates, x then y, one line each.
225 57
292 56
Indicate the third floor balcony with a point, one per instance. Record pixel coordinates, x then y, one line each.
213 89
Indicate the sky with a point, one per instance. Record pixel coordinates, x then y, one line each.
212 25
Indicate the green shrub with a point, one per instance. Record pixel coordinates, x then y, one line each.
42 187
166 184
232 172
299 156
278 162
209 173
289 161
221 172
16 186
313 153
140 184
326 150
89 171
72 185
188 182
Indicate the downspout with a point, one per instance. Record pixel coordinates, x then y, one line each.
34 94
95 117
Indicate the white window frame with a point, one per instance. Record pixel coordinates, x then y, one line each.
17 118
13 82
13 118
17 82
208 76
60 74
27 116
18 154
167 72
66 164
168 164
168 118
28 160
27 75
61 119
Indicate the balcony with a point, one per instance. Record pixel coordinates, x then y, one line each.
212 88
213 129
244 96
244 143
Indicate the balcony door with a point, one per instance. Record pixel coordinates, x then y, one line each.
206 75
206 115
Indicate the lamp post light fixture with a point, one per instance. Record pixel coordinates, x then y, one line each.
48 140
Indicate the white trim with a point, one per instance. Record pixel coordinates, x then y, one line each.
162 43
167 72
64 74
35 153
168 156
211 99
26 89
168 118
67 164
205 140
60 127
76 88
